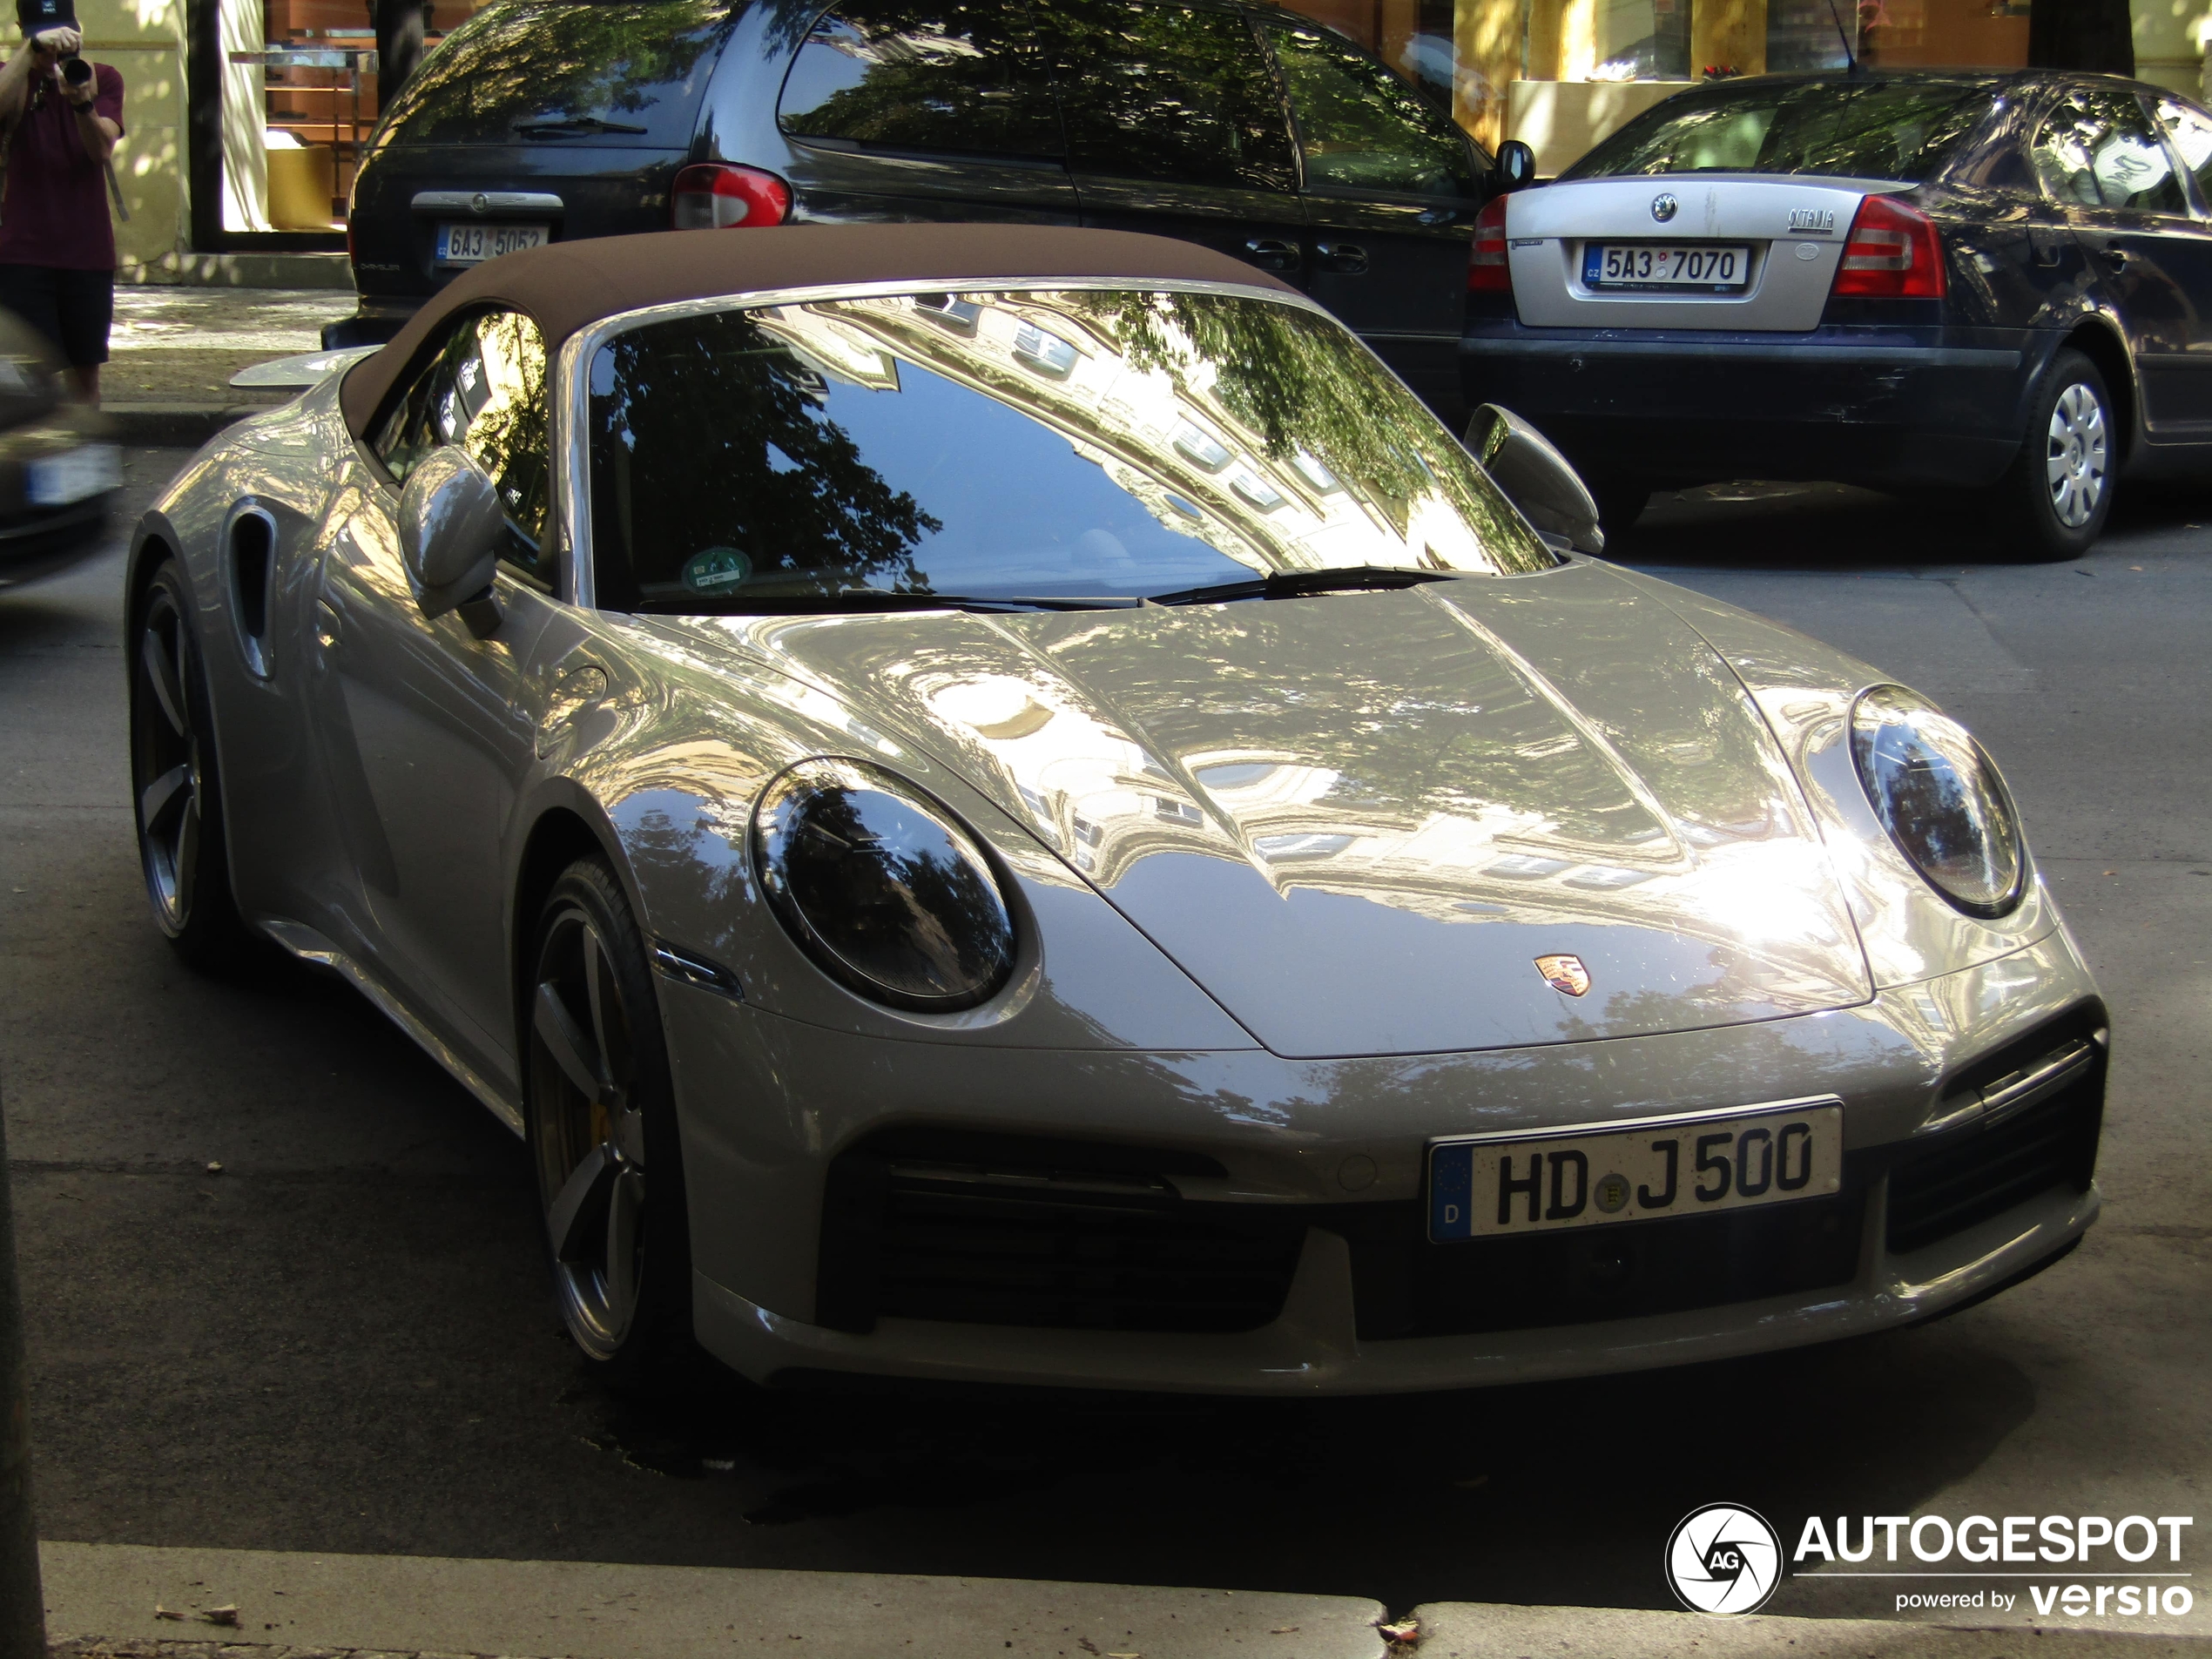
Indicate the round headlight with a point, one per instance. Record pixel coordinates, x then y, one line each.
1940 799
882 886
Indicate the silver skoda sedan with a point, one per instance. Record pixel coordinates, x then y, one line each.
1005 803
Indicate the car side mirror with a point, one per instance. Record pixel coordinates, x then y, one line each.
451 530
1516 167
1535 477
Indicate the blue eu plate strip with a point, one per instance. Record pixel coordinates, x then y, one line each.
1450 1187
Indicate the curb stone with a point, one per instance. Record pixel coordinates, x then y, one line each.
1493 1630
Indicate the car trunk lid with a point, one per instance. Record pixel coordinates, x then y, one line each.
1789 230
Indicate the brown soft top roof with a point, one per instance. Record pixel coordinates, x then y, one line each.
567 285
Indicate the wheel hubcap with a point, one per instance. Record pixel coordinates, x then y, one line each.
2075 459
165 761
591 1134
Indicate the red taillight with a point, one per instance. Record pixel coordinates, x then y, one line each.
1894 252
1486 271
714 195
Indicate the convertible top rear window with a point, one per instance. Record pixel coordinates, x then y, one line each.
1067 445
1900 129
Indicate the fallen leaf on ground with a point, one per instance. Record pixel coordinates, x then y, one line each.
1403 1630
1283 1630
225 1614
161 1612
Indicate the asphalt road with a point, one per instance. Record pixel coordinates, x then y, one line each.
344 1341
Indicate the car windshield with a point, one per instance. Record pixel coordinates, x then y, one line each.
1068 446
1900 130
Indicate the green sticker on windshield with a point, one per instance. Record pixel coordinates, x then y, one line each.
716 569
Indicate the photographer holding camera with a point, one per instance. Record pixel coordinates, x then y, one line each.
59 119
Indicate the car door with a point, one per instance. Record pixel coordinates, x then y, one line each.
943 112
2099 158
1176 127
1391 193
431 731
2188 129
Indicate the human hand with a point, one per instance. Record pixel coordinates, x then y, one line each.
56 44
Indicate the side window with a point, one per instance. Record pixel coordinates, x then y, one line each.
1169 92
955 77
2097 149
485 392
1362 128
2191 130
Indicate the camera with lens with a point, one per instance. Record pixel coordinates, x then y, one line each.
76 71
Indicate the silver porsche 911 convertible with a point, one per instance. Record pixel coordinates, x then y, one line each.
1005 803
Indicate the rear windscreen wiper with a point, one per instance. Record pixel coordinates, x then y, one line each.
1290 584
561 127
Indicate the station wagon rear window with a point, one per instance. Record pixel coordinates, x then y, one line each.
1897 130
625 74
1065 444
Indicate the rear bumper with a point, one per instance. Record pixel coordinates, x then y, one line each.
1881 406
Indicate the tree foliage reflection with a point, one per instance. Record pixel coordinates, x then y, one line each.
716 398
622 61
1897 130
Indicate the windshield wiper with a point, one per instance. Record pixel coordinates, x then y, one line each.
880 599
562 126
1290 584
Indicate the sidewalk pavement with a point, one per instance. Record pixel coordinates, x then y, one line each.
131 1601
174 349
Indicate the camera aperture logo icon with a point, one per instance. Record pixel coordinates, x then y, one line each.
1723 1559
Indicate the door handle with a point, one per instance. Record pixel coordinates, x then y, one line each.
2049 243
1274 253
2117 258
1348 259
329 626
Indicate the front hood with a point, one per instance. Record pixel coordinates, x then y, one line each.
1358 820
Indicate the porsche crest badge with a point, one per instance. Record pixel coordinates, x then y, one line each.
1564 974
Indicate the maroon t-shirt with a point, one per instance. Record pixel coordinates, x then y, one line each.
55 212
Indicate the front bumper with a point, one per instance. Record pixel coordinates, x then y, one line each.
1905 407
798 1229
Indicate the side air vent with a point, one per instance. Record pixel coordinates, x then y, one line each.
249 549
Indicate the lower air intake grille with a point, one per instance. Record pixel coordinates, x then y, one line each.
1982 1172
1583 1275
1045 1235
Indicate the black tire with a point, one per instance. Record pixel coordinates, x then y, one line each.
600 1114
176 790
2057 495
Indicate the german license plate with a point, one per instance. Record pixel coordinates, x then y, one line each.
74 475
1650 265
1485 1186
474 244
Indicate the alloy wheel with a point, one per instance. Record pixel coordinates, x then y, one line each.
2075 459
590 1128
165 758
